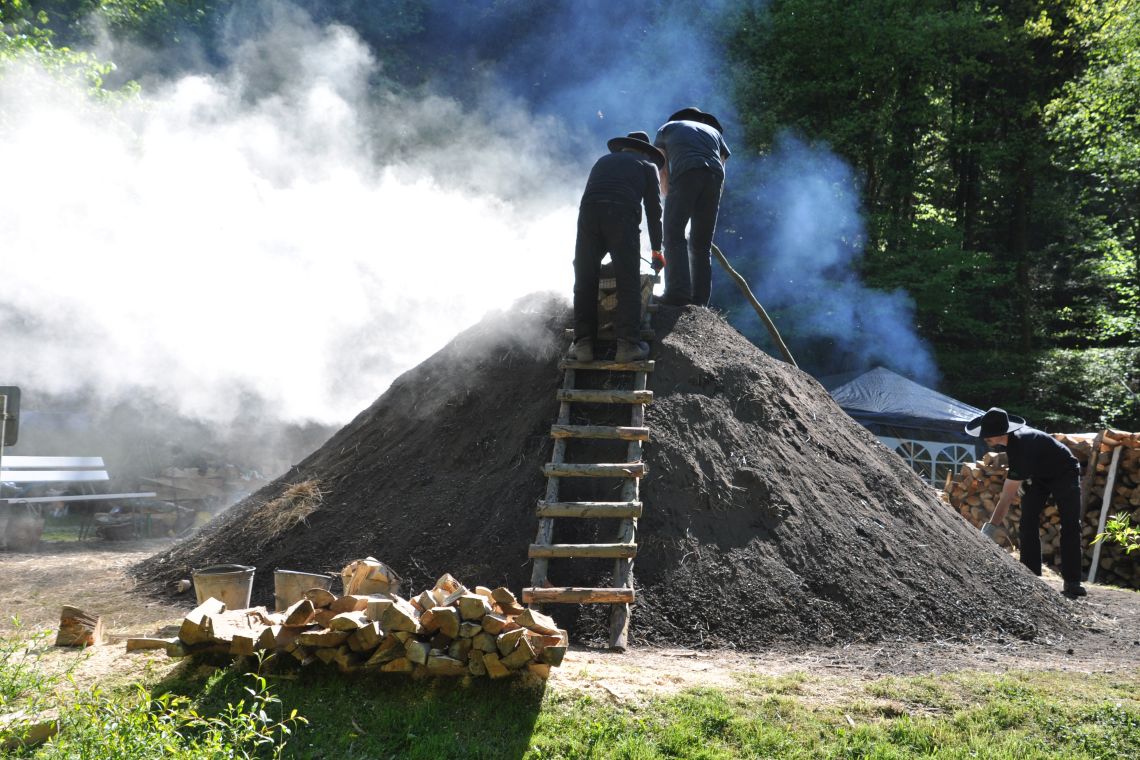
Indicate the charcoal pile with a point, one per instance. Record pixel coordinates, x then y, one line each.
770 516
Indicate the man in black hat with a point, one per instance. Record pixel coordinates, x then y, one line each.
609 218
695 152
1046 466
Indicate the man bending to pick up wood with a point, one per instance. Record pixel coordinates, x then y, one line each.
1046 466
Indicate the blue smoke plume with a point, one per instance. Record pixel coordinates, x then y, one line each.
790 221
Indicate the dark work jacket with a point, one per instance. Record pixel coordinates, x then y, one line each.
628 179
692 145
1037 455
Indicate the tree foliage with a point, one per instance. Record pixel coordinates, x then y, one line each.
997 144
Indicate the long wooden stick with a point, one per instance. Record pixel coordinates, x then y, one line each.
755 304
1106 502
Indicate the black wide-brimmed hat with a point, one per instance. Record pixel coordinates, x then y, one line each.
692 113
638 141
993 423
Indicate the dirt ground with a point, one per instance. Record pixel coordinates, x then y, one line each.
92 576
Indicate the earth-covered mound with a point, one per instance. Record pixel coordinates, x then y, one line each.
770 516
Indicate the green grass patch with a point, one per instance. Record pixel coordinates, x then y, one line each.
212 713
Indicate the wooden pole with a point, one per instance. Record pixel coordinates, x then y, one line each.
755 304
3 433
1104 505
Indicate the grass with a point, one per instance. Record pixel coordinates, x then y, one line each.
205 713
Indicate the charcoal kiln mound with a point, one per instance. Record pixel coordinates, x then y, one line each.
771 517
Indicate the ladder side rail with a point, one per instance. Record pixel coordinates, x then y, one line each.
627 531
545 536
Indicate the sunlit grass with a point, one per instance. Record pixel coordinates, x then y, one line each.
797 715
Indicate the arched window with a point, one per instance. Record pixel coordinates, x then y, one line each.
918 457
949 460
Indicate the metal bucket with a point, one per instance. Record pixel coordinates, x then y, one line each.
232 584
289 586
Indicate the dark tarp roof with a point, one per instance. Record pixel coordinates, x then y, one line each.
890 404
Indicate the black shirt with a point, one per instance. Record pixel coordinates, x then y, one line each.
1033 454
629 179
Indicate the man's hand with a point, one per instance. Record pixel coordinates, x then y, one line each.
989 530
657 261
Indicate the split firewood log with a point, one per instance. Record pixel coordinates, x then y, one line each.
78 628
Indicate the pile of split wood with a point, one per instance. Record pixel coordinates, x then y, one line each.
447 630
1110 487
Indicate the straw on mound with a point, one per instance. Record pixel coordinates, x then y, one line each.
770 515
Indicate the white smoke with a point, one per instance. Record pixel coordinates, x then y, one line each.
279 228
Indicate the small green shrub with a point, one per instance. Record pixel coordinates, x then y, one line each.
141 726
20 676
1119 528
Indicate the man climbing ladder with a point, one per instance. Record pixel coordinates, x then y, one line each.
609 216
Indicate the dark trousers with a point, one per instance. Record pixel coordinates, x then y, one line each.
608 228
693 199
1066 490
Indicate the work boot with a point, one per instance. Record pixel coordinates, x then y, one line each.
1074 589
628 351
582 350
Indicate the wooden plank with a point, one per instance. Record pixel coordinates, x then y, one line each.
607 334
591 396
607 551
144 643
616 470
19 462
540 566
54 476
589 509
609 365
1106 502
571 595
85 497
600 431
627 531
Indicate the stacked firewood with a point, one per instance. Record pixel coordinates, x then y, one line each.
974 492
447 630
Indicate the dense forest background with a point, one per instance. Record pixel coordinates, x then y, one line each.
993 147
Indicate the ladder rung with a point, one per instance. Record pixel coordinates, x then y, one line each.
605 397
607 335
618 470
570 595
605 551
600 431
617 509
611 366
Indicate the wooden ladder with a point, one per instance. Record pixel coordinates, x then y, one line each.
624 548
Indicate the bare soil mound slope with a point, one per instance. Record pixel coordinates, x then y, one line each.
770 516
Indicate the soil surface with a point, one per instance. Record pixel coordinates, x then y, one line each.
1106 639
771 518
